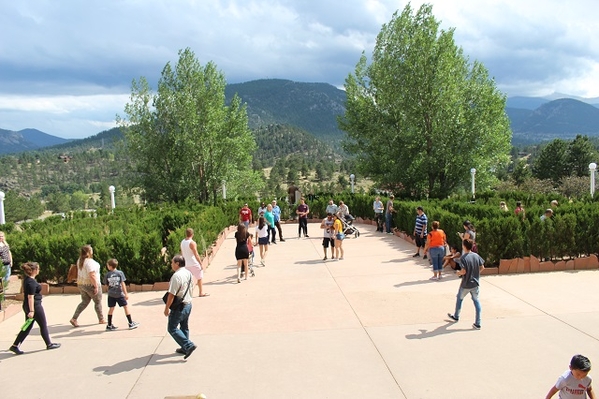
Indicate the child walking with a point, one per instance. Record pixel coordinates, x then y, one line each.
117 293
576 382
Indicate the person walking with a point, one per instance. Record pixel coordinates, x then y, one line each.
471 266
6 258
117 293
270 221
88 282
262 239
328 235
339 237
276 212
420 232
34 311
389 211
245 216
189 250
180 286
436 249
378 208
302 212
469 234
242 252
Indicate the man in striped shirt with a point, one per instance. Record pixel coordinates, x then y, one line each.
420 231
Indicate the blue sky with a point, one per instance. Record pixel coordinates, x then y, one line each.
66 66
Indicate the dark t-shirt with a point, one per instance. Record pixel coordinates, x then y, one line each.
302 208
31 287
113 279
471 262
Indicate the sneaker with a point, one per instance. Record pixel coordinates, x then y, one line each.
274 242
307 236
325 258
452 317
111 327
389 232
282 240
425 257
133 325
181 351
15 350
53 346
189 352
416 255
476 326
341 258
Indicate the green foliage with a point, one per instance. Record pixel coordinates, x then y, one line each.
420 116
185 140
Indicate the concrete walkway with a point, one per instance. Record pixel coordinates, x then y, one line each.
370 326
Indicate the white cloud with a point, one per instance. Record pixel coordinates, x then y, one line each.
74 59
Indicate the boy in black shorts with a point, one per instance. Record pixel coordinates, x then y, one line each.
117 293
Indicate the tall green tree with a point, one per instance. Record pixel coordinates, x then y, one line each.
419 116
580 154
552 161
185 138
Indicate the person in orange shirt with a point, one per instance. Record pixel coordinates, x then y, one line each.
436 249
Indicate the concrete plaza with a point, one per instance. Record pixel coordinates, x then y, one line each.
370 326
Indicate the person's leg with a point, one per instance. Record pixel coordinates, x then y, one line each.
388 222
110 312
40 318
97 298
175 318
339 243
21 336
278 224
273 234
458 303
86 298
238 270
244 262
325 245
474 293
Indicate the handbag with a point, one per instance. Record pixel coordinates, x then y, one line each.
178 301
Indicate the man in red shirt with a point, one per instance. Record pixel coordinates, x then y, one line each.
245 215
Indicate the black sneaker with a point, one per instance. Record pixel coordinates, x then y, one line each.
53 346
425 257
15 350
452 317
111 327
307 236
325 258
282 240
133 325
181 351
416 255
189 352
476 326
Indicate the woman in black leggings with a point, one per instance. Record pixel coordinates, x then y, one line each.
32 306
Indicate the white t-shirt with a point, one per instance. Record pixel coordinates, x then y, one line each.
89 266
571 388
262 233
328 231
179 284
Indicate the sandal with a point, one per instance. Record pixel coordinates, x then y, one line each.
74 323
102 321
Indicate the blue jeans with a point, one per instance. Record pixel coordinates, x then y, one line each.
388 219
462 292
176 318
436 254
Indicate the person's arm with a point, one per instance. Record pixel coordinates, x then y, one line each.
590 392
194 250
551 392
322 224
92 276
423 230
31 308
169 302
124 288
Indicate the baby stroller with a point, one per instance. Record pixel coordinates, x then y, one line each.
348 226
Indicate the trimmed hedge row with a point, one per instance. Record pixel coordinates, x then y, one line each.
572 231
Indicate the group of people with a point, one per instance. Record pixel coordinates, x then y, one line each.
188 271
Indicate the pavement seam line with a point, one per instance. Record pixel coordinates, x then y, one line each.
146 365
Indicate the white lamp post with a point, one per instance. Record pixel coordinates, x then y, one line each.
473 173
2 220
352 178
224 189
592 168
112 203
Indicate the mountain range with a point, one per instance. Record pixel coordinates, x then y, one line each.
314 107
